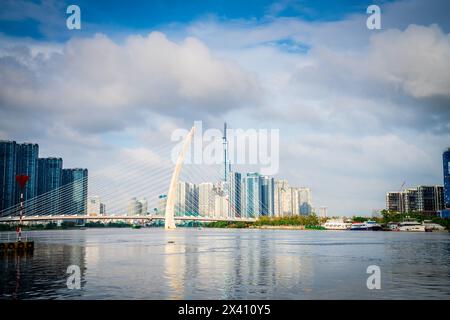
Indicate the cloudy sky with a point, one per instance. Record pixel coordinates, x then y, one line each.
359 111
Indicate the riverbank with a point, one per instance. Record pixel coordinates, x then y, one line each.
279 227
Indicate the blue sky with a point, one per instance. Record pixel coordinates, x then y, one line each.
359 111
111 16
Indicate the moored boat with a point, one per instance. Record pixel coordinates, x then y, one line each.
411 226
366 226
336 224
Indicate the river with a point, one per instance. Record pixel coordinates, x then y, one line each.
190 263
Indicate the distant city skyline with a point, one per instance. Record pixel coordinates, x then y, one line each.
51 188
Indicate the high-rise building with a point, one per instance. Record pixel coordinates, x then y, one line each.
221 206
161 206
27 164
186 199
428 199
295 204
305 200
235 194
95 207
267 195
134 207
7 174
144 207
446 167
73 192
394 201
206 199
280 197
49 185
252 191
323 212
410 198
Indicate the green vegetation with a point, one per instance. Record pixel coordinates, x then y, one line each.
312 221
228 224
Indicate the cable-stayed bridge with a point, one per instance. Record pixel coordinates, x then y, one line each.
149 173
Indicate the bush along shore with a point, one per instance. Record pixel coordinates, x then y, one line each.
311 222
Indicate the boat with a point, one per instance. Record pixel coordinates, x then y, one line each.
411 226
336 224
431 226
366 226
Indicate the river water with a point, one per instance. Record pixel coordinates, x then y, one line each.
189 263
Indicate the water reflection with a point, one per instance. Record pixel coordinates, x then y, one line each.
228 264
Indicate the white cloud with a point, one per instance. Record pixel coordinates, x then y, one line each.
96 84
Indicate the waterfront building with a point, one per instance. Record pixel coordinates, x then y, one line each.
221 206
49 185
295 204
267 191
446 168
252 191
134 207
162 203
95 207
73 192
7 174
410 197
143 206
235 194
305 200
426 199
394 201
27 164
323 211
430 198
281 198
206 199
186 199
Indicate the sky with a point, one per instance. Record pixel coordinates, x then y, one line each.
359 111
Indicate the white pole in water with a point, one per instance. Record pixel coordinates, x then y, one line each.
19 228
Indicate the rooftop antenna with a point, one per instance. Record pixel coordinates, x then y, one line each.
225 147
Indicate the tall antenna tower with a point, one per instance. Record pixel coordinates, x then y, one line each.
225 149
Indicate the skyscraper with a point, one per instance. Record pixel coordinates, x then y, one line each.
27 164
267 192
95 207
74 191
7 174
446 167
186 199
134 207
252 191
206 199
305 200
235 194
49 185
281 197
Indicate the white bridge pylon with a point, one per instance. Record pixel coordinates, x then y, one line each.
170 205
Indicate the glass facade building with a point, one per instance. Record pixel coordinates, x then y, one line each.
446 166
8 156
235 194
49 185
27 164
267 193
73 193
252 191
